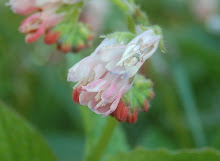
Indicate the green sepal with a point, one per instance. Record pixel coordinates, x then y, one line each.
121 37
140 92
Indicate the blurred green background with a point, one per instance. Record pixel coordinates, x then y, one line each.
185 112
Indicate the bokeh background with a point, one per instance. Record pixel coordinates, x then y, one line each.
185 112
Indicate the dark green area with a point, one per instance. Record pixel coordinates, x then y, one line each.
164 155
19 141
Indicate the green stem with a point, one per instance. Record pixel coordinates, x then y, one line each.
131 24
124 6
99 149
133 13
187 97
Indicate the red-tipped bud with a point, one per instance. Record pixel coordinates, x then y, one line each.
146 106
151 95
124 113
34 36
121 112
90 37
78 48
51 37
76 95
132 117
65 48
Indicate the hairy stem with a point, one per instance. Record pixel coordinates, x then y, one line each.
99 149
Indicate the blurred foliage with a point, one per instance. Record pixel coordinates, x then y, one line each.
19 141
33 81
162 154
96 129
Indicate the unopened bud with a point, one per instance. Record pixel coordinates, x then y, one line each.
51 37
132 117
121 112
65 48
75 95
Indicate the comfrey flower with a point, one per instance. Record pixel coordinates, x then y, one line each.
43 18
37 24
107 74
25 7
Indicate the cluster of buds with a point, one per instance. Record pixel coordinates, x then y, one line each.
107 80
66 39
109 72
57 20
135 100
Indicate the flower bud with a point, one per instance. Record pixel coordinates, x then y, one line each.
105 78
51 37
132 117
76 95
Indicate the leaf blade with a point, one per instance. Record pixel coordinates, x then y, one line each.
19 141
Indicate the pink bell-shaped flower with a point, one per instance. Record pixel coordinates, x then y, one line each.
106 75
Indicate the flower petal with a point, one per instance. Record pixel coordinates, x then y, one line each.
96 86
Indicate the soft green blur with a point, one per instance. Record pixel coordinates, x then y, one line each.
185 112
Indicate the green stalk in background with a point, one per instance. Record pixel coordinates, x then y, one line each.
186 95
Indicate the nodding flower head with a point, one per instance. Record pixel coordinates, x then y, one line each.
44 18
23 7
107 74
137 51
37 24
97 88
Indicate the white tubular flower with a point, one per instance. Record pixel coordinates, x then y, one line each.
136 52
104 76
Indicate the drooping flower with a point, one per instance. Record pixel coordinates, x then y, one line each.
22 7
106 75
56 20
37 24
25 7
44 16
97 87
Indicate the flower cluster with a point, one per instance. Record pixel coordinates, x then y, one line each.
107 80
136 99
46 19
107 74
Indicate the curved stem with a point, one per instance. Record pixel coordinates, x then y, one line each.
99 149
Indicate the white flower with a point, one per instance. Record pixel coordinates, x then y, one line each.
104 76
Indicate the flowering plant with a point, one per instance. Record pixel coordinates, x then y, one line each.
108 73
93 80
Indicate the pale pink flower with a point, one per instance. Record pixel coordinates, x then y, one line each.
97 9
40 22
22 7
25 7
202 9
37 24
104 76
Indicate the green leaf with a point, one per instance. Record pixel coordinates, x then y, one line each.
67 146
164 155
19 141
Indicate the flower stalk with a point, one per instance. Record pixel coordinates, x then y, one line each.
133 13
99 149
